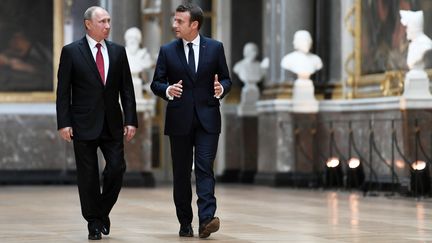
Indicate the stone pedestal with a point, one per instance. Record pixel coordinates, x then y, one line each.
276 161
138 152
287 145
306 169
31 152
241 148
249 96
233 138
248 148
416 85
247 112
303 97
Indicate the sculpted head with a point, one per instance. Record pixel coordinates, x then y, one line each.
413 20
250 51
132 38
302 41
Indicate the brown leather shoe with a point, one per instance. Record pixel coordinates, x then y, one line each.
209 227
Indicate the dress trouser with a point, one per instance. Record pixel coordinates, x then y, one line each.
96 204
182 151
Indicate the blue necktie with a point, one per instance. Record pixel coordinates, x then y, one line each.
191 58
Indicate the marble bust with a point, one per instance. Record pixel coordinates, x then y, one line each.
304 64
139 58
250 71
419 42
301 61
416 84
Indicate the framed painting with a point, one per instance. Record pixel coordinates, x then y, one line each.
381 44
30 44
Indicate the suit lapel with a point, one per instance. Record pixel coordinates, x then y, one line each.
110 57
182 57
86 52
202 53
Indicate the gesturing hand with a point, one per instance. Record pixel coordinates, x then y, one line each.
217 87
176 89
66 133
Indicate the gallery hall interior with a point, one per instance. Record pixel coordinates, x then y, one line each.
221 120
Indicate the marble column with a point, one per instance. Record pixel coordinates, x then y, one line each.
124 14
281 20
276 145
227 160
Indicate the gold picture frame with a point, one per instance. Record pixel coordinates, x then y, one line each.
32 94
381 46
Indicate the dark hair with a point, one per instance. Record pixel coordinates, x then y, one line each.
196 13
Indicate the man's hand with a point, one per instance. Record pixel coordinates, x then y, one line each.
129 132
217 87
66 133
176 89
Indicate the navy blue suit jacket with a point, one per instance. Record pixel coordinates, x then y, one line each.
83 102
198 89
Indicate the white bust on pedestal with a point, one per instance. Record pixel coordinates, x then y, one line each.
304 64
250 71
139 60
416 80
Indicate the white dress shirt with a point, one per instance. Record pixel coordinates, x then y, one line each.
195 45
92 44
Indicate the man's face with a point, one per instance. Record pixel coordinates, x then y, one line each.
99 26
183 28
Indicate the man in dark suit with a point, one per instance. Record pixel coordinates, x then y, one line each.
192 75
92 75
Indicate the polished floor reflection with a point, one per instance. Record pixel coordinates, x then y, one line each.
248 214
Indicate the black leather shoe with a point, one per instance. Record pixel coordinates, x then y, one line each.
95 235
186 231
208 227
106 225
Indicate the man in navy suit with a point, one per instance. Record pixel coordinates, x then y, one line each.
192 75
93 74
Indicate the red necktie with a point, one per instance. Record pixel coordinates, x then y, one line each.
100 62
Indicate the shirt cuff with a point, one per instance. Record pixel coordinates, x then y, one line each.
167 95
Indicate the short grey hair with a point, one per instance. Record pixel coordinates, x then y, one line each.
88 14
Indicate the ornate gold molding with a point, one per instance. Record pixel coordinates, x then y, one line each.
57 45
388 83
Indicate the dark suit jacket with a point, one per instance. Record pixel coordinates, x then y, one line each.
198 89
83 101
